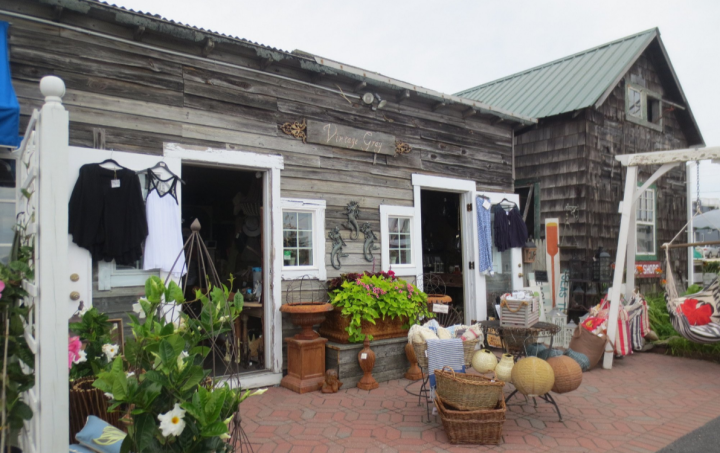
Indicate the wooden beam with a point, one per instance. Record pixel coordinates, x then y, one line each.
138 33
668 157
439 105
469 112
208 47
691 244
402 96
677 106
359 86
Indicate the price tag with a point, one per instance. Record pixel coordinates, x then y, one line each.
114 183
440 308
486 204
434 411
363 356
426 353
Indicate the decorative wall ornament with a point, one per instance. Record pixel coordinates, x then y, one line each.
370 239
297 130
353 212
402 148
337 247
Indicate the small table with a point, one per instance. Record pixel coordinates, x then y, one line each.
520 336
515 338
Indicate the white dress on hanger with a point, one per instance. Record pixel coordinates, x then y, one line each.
164 243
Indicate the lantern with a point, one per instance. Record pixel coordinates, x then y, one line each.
578 297
602 270
576 269
592 297
503 370
568 374
533 376
484 361
529 252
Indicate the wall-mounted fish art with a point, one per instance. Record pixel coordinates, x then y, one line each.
370 239
337 247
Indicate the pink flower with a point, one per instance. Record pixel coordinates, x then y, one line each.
391 274
74 347
2 287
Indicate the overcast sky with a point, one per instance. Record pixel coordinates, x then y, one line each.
451 45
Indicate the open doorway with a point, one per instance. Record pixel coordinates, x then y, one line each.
442 246
229 206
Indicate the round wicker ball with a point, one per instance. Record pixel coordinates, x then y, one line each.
533 376
580 358
483 361
568 374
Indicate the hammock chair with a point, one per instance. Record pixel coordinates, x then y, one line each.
696 316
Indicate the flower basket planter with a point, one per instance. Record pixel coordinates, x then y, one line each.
333 328
87 400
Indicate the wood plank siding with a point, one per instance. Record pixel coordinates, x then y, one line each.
143 97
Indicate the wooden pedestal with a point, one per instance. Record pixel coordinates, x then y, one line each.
306 365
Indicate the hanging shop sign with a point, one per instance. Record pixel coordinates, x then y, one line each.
648 269
348 137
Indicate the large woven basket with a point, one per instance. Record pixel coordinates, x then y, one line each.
472 427
87 400
468 392
468 352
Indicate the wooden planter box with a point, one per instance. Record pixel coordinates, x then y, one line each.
335 324
519 312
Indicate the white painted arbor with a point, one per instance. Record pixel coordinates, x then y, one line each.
42 211
625 258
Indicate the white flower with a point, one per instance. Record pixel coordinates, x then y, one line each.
81 357
223 318
258 392
109 396
180 325
110 351
171 422
84 310
137 308
181 360
130 373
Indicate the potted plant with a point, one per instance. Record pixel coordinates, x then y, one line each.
174 403
379 305
15 350
90 352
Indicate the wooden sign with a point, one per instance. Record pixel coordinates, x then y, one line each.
348 137
648 269
552 254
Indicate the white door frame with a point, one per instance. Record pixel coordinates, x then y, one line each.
270 165
473 306
516 264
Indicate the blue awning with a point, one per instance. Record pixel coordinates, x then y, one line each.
9 107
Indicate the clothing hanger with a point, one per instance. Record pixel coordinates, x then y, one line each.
509 204
162 165
112 161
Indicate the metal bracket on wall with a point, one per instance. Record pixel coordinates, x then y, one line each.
296 129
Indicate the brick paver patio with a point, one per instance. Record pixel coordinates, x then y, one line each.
643 404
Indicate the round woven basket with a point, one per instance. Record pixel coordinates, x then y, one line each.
467 392
86 400
533 376
568 374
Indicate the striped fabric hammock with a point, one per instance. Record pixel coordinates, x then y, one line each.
696 316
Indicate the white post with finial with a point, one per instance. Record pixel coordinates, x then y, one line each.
51 273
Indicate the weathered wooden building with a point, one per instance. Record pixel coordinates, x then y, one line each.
266 140
622 97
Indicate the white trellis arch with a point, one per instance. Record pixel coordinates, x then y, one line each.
625 258
42 209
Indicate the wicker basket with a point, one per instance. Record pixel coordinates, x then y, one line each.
468 392
472 427
468 352
87 400
568 374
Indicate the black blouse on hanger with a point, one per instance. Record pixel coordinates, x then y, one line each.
510 228
108 221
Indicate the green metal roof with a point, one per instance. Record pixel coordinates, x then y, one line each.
567 84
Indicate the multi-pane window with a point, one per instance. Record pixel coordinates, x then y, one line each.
297 238
303 245
645 220
643 107
400 240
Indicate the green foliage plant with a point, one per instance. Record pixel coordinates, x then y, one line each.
175 405
15 350
94 332
368 297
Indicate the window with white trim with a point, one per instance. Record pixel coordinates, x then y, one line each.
303 238
645 223
396 238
